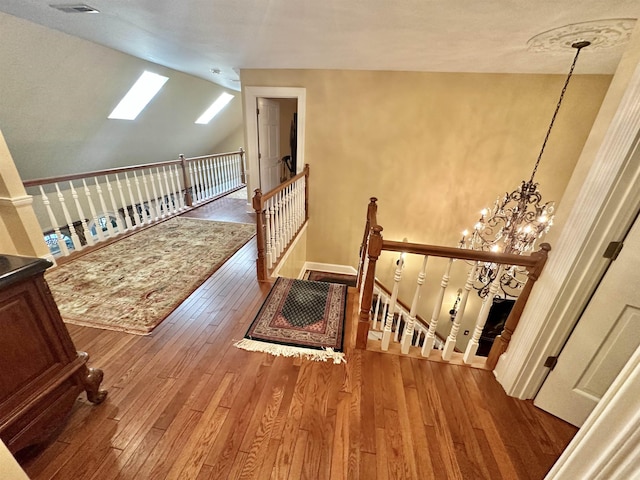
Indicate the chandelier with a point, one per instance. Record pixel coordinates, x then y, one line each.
515 221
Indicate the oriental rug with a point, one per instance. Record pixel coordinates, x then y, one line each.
300 318
135 283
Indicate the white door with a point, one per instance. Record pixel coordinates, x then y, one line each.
269 143
603 341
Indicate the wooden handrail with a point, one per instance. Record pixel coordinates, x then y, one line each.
259 202
266 196
111 171
534 264
460 253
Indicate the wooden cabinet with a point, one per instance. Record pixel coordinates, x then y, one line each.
41 374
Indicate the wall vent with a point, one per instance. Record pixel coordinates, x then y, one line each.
76 8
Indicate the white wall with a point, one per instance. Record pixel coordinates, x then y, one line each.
56 92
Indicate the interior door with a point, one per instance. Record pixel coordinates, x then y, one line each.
603 341
269 143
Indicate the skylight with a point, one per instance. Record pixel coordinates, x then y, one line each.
215 108
145 88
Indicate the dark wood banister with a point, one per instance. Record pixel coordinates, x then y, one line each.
373 245
258 202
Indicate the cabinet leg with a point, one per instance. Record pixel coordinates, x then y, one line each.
91 379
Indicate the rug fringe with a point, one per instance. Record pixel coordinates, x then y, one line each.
289 351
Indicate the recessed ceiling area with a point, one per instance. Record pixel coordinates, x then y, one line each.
201 36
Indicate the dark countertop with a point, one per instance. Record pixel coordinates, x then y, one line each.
14 269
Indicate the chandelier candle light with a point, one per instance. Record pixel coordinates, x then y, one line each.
515 221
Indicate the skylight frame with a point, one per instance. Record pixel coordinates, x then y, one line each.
139 96
215 108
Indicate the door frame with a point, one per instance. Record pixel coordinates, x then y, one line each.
250 97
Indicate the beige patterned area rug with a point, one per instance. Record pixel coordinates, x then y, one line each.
135 283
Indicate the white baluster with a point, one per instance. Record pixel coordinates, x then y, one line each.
431 334
146 217
399 317
487 302
135 219
170 208
153 213
158 193
376 309
227 161
273 227
276 204
409 327
215 188
179 191
267 234
125 210
194 190
54 223
83 222
121 228
206 173
94 214
223 174
201 182
386 334
103 206
174 192
450 344
385 309
72 230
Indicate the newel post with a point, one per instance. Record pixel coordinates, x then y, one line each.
261 262
243 177
364 318
306 192
372 209
188 200
501 343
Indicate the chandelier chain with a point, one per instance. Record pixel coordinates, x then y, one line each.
555 113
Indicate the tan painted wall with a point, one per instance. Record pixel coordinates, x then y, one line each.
9 468
232 142
56 92
294 262
435 148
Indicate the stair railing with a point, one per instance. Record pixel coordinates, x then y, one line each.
84 209
374 244
280 214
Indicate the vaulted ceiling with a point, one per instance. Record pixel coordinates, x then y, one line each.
198 36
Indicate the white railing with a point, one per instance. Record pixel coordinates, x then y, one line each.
280 214
214 175
407 329
80 210
383 312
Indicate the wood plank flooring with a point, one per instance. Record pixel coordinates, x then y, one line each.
185 404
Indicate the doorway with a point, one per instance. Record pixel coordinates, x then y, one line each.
251 96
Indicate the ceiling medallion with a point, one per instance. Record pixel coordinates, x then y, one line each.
600 33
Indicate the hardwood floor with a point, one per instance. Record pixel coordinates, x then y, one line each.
185 404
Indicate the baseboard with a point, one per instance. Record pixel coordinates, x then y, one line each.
327 267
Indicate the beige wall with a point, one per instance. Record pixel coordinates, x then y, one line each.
233 141
56 92
292 265
435 148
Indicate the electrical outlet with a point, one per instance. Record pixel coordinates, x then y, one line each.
466 332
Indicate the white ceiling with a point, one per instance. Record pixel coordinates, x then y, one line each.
194 36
